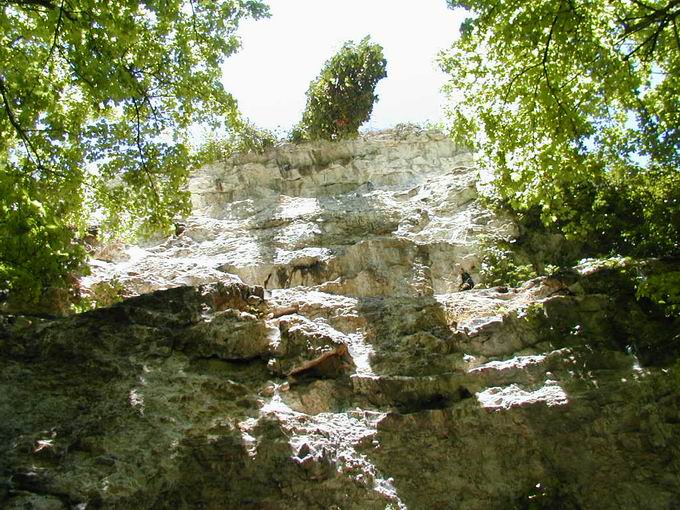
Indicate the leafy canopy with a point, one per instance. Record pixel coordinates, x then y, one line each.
95 102
341 98
575 107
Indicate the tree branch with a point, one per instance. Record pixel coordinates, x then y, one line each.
56 34
17 127
653 38
643 5
662 17
41 3
546 74
193 18
140 150
64 53
517 76
38 3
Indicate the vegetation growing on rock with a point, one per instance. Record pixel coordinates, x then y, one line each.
245 139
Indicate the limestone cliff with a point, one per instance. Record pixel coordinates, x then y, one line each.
304 342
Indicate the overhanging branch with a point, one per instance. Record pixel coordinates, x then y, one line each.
30 149
56 34
38 3
546 74
142 155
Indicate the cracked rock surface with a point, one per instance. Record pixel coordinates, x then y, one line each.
304 344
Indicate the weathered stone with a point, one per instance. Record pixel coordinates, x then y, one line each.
348 371
385 216
230 335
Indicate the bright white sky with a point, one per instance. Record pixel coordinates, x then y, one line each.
282 54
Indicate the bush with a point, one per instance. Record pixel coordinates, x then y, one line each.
662 289
102 294
500 267
341 98
512 263
245 139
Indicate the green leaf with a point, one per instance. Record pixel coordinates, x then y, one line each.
88 96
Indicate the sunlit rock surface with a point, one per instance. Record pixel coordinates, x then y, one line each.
304 343
379 216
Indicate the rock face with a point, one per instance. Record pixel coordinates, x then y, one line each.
381 216
303 343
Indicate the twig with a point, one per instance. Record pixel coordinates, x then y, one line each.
193 18
42 3
657 15
516 77
653 38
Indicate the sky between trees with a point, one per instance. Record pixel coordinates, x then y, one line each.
282 54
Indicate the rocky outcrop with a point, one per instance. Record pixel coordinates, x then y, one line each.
380 216
304 344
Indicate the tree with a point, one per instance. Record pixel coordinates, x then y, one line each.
575 107
95 102
341 98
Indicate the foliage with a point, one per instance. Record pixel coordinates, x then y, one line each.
575 105
245 139
102 294
544 496
664 290
341 98
34 243
95 102
501 265
405 129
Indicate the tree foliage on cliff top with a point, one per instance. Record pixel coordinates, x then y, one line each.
95 102
575 107
341 98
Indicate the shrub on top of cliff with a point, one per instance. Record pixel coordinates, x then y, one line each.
341 98
246 138
404 130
